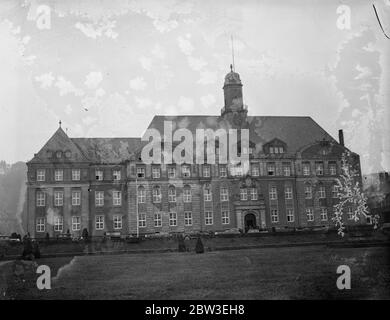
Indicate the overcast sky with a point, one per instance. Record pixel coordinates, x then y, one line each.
106 70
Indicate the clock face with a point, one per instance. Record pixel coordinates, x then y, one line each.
248 181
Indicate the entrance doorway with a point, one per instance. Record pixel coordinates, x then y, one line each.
250 221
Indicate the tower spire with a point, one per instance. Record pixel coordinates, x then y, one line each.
232 66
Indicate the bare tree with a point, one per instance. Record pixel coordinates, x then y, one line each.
350 194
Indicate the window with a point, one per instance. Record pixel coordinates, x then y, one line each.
41 199
224 194
155 172
274 215
273 193
208 218
116 175
58 175
171 172
308 192
187 197
172 219
185 171
117 198
171 194
225 217
335 191
142 220
207 193
206 171
319 168
75 174
350 213
243 194
275 149
271 169
286 169
76 198
222 171
99 175
309 214
41 175
58 198
156 194
255 170
306 169
288 192
99 222
40 225
58 224
140 172
253 193
76 223
238 171
188 218
332 169
58 154
321 192
157 219
99 198
141 195
117 222
324 214
290 215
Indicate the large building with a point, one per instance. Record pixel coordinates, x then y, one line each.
102 184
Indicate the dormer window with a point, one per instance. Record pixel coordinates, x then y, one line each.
275 146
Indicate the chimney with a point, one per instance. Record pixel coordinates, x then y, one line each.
341 137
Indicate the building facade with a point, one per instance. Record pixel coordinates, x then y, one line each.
103 185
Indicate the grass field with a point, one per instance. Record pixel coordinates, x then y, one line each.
282 273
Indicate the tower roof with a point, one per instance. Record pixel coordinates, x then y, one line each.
232 77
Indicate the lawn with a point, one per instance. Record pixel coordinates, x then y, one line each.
267 273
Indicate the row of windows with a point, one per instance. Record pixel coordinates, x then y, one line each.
76 223
186 171
76 198
238 171
208 219
321 192
59 175
187 195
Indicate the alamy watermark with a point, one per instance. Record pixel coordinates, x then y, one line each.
230 145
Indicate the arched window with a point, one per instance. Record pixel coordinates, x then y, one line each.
141 194
308 191
207 194
156 194
171 194
335 191
187 196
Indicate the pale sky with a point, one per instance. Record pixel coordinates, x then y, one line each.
106 67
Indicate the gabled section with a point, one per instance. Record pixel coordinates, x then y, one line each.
59 148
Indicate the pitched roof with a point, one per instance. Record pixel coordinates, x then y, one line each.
296 132
59 141
107 150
